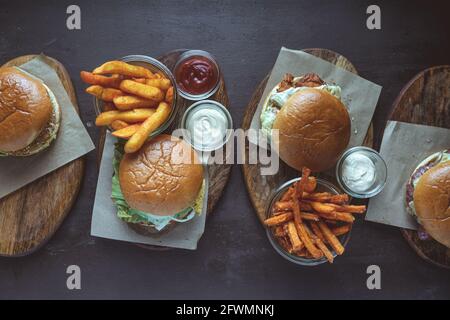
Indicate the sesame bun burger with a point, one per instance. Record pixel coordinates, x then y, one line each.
29 114
161 184
312 122
428 197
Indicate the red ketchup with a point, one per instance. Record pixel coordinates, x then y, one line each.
197 75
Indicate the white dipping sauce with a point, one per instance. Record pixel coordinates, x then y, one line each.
207 125
358 172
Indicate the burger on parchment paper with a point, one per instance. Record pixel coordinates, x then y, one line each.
314 125
29 113
158 186
428 197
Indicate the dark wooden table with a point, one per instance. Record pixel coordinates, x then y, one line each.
234 258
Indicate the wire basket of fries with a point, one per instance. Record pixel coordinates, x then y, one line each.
309 222
128 94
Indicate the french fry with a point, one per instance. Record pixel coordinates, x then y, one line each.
302 182
321 207
104 81
147 127
331 238
339 231
288 194
132 116
287 205
123 68
296 242
142 90
338 216
105 94
315 228
140 80
310 185
278 231
126 132
119 124
349 208
286 216
163 83
169 95
133 102
303 234
285 244
326 252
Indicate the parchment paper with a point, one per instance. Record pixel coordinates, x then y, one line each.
72 141
403 147
106 224
359 95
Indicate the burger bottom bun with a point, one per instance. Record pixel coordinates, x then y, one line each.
432 202
46 137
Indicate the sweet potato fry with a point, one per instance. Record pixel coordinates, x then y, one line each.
349 208
133 102
278 219
147 127
310 185
315 228
140 80
303 234
142 90
288 194
163 83
285 244
287 205
105 94
302 182
339 231
327 197
338 216
278 231
169 95
126 132
123 68
331 238
326 252
321 207
104 81
297 244
132 116
119 124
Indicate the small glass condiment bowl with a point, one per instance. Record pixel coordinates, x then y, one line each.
156 67
322 186
221 107
380 171
197 53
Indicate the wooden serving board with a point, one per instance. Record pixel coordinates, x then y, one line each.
218 174
260 187
31 215
426 100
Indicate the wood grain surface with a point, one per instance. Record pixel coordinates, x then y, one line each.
218 174
426 100
261 187
32 214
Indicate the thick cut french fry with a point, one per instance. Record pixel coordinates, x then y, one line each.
126 132
105 94
331 238
142 90
104 81
169 95
297 244
119 124
123 68
163 83
133 102
147 127
339 231
132 116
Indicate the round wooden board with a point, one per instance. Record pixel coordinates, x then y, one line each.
31 215
426 100
218 174
260 187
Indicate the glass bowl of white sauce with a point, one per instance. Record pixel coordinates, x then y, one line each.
208 125
361 172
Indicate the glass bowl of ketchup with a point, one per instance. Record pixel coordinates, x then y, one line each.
197 75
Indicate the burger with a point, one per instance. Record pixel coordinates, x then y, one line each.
312 122
159 186
428 197
29 113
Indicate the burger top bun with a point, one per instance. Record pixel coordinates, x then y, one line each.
314 130
25 109
163 178
432 202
